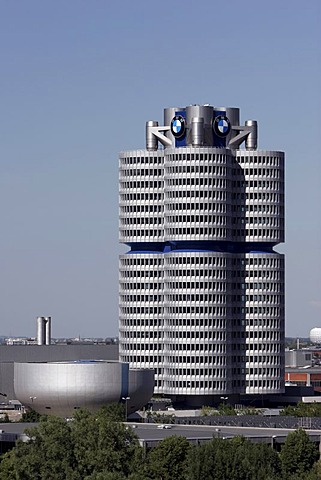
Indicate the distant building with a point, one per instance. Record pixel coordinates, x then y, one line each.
20 341
298 358
315 335
304 376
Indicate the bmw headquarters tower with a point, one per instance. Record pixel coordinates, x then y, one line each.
201 287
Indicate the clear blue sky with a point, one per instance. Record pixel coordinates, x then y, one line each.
78 80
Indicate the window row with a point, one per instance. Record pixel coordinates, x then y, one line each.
210 260
263 347
261 172
216 170
214 157
140 322
270 185
261 160
141 184
144 208
213 273
135 196
148 220
194 360
266 221
257 298
268 384
220 195
202 219
142 360
199 384
147 172
146 234
133 160
196 181
180 372
198 231
210 207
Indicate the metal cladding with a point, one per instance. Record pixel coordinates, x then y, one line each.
151 140
251 140
44 330
202 288
60 388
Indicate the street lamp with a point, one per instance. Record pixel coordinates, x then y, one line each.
273 441
32 399
125 400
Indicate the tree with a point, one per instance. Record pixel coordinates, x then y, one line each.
226 409
210 461
115 412
7 466
298 454
102 445
168 460
47 455
91 446
303 410
30 416
236 459
256 461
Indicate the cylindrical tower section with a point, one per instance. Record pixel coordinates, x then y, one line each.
41 335
251 139
151 140
264 309
141 312
47 321
197 195
141 196
197 358
206 113
197 131
260 179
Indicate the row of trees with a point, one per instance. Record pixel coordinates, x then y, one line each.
303 410
227 409
100 447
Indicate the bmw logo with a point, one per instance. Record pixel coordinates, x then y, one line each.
221 126
178 126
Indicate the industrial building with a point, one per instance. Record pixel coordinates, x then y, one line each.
202 286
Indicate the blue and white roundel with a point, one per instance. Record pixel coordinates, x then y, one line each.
178 126
222 126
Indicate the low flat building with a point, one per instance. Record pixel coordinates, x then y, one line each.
304 376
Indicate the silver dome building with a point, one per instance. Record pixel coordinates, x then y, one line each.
202 286
60 388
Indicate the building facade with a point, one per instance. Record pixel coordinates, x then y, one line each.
201 287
